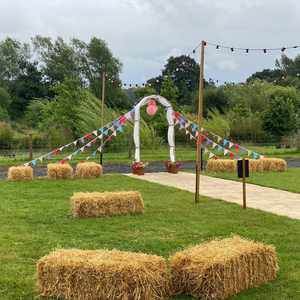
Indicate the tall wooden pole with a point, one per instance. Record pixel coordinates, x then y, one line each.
102 113
200 119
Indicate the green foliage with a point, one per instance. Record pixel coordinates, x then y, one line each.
214 99
143 91
169 90
6 134
184 72
5 101
280 117
217 123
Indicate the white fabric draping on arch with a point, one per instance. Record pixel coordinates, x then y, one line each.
170 118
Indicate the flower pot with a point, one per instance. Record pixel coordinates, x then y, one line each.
139 171
172 169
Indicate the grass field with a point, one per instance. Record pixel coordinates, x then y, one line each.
35 219
288 181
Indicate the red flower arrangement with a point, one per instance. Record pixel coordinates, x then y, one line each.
172 167
138 168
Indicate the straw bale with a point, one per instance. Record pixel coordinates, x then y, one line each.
221 165
222 268
106 204
102 274
59 171
274 164
20 173
256 165
88 170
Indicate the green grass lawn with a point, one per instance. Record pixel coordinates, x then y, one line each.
35 219
289 181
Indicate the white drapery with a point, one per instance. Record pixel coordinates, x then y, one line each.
137 118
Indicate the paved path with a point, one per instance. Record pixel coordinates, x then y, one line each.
267 199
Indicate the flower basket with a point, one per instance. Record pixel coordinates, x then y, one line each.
138 168
172 167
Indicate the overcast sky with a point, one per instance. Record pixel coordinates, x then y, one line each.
144 33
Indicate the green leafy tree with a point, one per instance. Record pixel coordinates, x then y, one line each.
169 90
26 86
5 101
184 71
13 55
280 117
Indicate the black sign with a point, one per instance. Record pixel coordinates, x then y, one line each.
240 168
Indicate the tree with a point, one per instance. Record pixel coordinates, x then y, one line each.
13 55
280 117
184 71
27 86
214 99
5 101
169 90
59 59
141 92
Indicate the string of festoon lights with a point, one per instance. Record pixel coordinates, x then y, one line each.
246 50
192 53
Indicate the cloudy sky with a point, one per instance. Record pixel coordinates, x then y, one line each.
144 33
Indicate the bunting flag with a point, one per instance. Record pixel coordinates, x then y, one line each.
214 139
88 139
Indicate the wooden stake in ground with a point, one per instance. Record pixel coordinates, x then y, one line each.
30 146
244 183
200 118
102 113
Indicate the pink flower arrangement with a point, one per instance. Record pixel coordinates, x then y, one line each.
139 165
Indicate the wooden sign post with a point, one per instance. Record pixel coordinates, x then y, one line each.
200 119
102 114
243 172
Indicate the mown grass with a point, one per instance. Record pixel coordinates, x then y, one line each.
35 219
288 181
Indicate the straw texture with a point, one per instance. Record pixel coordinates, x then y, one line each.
221 165
59 171
106 204
222 268
20 173
274 164
255 165
102 275
88 170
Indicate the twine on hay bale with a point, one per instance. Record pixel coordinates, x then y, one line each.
221 165
59 171
222 268
88 170
106 204
20 173
102 274
274 164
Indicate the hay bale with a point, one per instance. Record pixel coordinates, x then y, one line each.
274 164
59 171
20 173
106 204
256 165
222 268
88 170
102 274
221 165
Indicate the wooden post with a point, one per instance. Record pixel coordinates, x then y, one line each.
102 113
200 119
244 184
30 147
